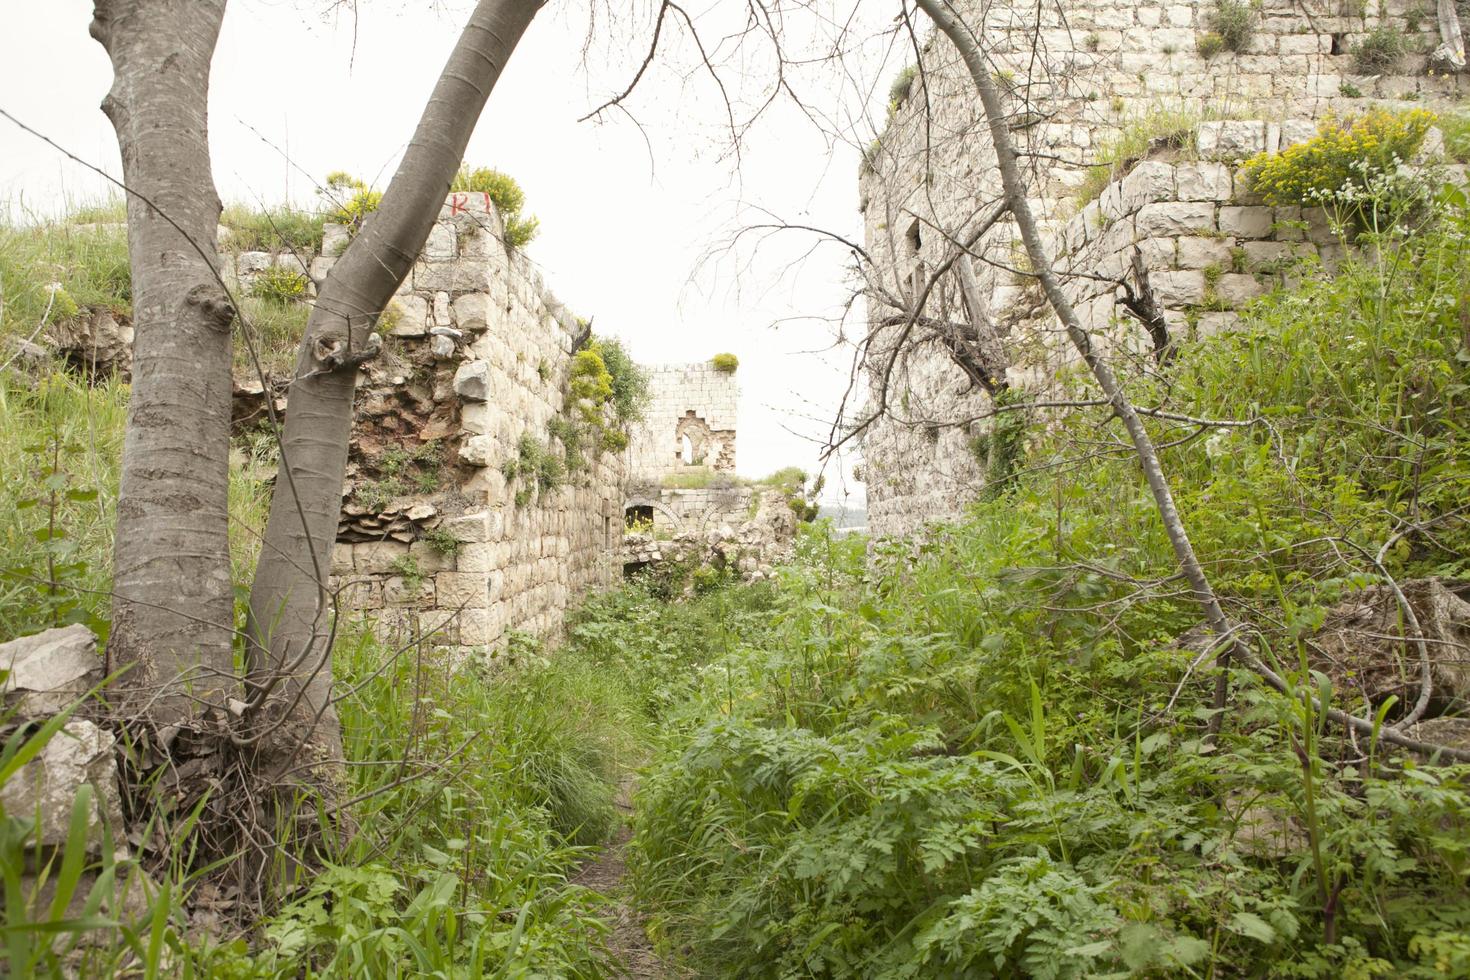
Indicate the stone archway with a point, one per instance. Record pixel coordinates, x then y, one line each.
691 440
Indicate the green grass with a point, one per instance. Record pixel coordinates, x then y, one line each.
277 229
1168 128
90 266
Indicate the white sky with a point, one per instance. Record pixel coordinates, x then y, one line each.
625 220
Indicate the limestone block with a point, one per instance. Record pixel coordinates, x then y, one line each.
1246 222
1201 253
410 316
1304 44
462 590
1203 181
440 244
341 560
321 267
1211 324
472 382
1237 290
470 312
47 786
476 527
377 557
335 239
1175 218
1294 131
1148 182
361 594
250 263
477 557
1231 139
475 418
49 670
398 591
430 559
1180 288
458 276
1158 253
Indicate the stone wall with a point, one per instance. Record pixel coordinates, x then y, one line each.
1207 247
689 422
438 532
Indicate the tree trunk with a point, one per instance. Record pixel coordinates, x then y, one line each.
291 618
173 610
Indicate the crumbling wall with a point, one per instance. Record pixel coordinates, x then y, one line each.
1206 245
446 527
689 422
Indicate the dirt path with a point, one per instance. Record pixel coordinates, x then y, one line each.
608 875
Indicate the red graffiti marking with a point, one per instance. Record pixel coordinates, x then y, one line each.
457 204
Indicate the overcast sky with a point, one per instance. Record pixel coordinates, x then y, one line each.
631 215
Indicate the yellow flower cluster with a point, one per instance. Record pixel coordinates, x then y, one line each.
1343 156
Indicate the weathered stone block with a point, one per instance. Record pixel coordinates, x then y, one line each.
472 381
49 670
1231 139
1237 290
1211 324
440 243
1246 222
47 786
1203 181
1174 219
410 315
462 590
1201 253
1146 183
1179 288
378 557
471 312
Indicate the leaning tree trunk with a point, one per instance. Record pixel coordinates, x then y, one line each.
173 609
290 612
941 12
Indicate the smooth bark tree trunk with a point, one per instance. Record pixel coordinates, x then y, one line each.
291 617
173 610
941 12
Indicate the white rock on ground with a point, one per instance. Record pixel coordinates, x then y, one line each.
49 670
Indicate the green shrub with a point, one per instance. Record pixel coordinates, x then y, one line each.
351 200
279 284
1379 52
1233 22
1343 155
725 363
1209 45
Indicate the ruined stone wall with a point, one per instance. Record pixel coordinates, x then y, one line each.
1071 88
445 526
689 422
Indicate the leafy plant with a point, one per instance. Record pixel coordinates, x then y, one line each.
725 363
352 201
1343 155
1232 23
899 88
279 284
1379 51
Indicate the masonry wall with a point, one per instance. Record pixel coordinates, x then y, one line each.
696 401
437 534
1207 246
